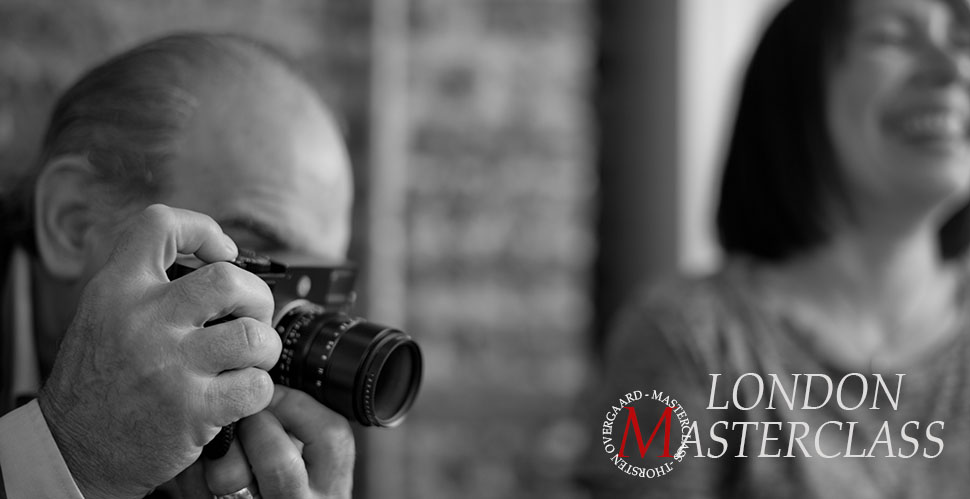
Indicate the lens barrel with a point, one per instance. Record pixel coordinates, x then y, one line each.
367 372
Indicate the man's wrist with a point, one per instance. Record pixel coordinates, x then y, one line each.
84 467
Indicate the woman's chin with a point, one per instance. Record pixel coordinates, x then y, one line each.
938 181
943 197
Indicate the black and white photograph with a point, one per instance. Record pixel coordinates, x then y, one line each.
484 249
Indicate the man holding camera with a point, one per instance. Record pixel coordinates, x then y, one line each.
186 145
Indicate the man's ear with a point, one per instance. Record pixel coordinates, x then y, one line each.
65 214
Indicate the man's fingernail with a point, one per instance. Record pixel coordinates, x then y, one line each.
231 245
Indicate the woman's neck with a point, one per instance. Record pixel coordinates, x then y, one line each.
875 293
873 272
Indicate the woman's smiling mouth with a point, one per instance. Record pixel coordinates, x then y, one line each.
940 127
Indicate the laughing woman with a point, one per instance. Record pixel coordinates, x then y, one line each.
844 217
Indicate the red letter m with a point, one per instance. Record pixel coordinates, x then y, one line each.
632 416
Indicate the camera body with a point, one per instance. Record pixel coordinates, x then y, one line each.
367 372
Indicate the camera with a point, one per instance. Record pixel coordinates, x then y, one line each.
367 372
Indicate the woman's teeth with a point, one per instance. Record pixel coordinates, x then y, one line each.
942 125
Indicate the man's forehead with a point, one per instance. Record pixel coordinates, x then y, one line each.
251 133
265 159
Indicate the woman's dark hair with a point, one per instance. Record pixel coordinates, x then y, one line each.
127 115
781 179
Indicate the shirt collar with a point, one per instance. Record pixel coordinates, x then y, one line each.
26 368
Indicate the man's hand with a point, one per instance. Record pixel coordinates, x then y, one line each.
295 449
139 385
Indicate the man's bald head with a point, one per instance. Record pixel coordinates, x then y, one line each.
158 121
270 157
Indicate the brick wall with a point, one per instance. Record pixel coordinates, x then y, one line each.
500 250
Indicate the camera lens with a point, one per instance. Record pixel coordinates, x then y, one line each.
392 390
367 372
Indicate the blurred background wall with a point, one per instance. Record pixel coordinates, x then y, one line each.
521 166
664 88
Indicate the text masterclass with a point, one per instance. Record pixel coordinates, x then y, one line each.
829 438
